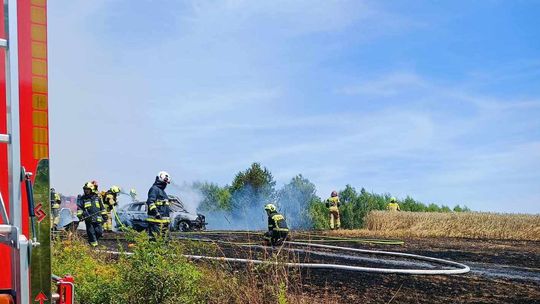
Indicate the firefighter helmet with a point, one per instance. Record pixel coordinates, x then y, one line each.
334 193
90 186
95 183
393 200
270 207
164 177
115 189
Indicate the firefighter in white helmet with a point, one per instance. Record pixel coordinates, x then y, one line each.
158 206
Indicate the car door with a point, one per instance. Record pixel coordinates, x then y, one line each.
139 212
124 215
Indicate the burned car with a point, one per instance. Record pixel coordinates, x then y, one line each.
134 215
67 220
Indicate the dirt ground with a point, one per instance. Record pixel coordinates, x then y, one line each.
501 271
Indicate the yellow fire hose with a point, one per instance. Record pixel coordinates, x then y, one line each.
311 237
123 227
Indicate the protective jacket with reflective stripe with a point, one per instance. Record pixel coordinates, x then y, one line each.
393 207
332 202
55 200
90 208
158 203
109 200
276 222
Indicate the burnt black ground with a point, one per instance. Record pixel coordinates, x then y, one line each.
501 271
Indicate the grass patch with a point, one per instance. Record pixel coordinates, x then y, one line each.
159 273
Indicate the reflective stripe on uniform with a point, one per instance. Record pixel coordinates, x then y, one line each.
86 205
281 229
162 221
152 206
162 203
278 217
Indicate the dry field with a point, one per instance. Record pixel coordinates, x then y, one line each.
474 225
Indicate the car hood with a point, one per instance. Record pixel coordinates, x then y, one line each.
184 215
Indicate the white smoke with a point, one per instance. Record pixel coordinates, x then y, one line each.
189 196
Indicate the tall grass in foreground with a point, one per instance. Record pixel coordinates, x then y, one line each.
455 224
158 273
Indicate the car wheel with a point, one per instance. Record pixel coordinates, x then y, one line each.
184 226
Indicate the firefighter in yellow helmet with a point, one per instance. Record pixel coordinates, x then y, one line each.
90 210
393 205
277 226
110 201
55 208
332 204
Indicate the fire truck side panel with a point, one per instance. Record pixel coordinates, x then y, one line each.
34 130
5 258
34 139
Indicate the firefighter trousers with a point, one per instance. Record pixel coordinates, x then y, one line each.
276 238
155 229
107 226
334 218
94 231
55 212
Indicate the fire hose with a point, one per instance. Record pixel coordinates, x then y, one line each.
461 268
310 237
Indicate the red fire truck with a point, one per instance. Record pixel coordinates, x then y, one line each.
25 227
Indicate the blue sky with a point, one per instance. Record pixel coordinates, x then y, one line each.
437 100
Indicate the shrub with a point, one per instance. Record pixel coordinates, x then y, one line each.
96 280
157 272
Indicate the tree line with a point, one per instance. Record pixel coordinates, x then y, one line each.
297 200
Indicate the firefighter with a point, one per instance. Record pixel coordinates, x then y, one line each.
55 208
393 205
133 194
158 206
277 226
332 204
91 210
110 201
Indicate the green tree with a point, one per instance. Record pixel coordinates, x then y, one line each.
409 204
215 198
433 208
294 199
348 195
252 188
445 208
458 208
